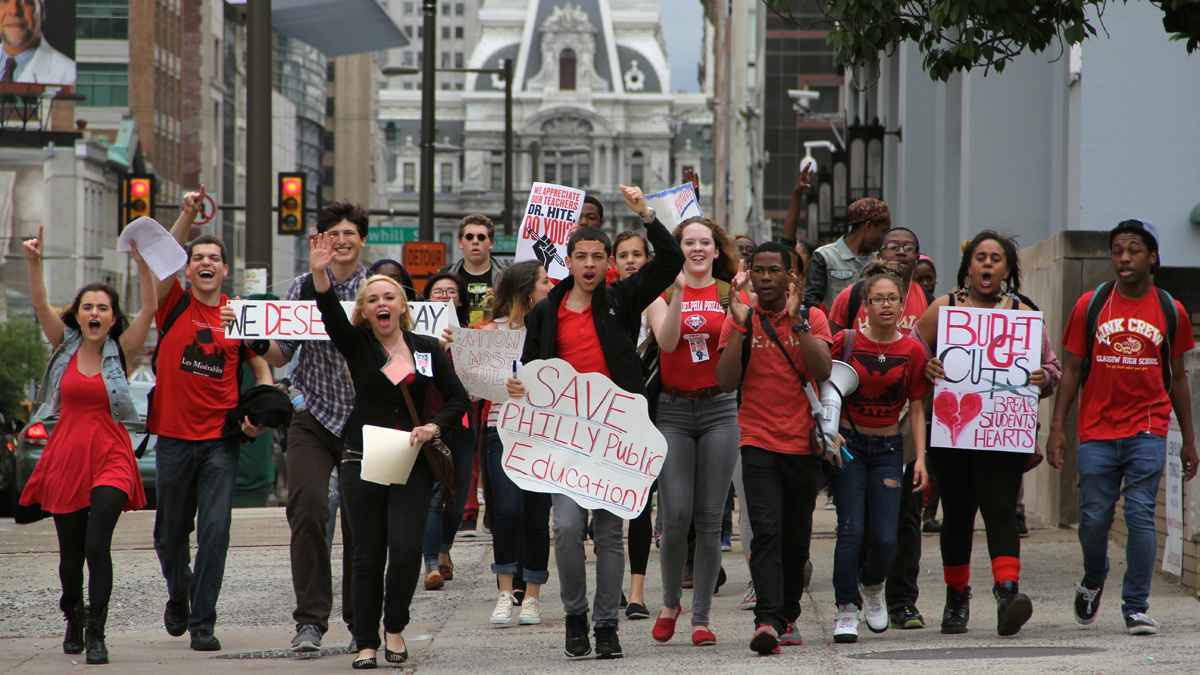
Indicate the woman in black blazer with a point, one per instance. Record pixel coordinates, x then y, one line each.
387 521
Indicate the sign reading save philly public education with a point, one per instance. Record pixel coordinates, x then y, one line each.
986 401
582 436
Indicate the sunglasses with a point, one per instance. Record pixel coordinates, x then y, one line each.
471 236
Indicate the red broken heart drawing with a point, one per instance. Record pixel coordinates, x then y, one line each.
955 412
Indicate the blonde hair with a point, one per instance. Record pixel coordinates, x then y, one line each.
360 301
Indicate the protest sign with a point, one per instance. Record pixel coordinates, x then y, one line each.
675 205
986 401
550 215
388 455
484 360
1172 562
582 436
301 320
163 255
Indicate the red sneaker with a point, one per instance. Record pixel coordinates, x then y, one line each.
703 637
791 637
664 626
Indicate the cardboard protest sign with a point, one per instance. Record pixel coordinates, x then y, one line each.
986 401
301 320
675 205
582 436
1172 559
484 360
388 455
550 215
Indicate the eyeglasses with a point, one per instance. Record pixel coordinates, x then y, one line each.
443 293
882 300
472 236
897 247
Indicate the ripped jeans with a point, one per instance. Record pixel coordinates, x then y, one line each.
867 486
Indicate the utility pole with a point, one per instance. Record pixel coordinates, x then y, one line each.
259 223
508 146
428 107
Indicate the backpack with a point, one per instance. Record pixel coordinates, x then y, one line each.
855 302
1099 298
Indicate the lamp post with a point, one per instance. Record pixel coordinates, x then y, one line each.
505 71
428 108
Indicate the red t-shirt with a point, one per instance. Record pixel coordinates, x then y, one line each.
915 305
197 378
1124 395
578 343
889 375
775 414
693 364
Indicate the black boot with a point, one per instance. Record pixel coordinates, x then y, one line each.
1013 608
73 639
97 651
957 612
577 643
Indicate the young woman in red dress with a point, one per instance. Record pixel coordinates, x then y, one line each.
87 474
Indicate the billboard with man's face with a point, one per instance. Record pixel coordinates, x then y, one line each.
37 41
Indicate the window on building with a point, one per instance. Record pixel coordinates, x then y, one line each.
445 59
445 32
550 172
408 30
391 169
410 8
458 59
445 86
458 86
102 19
103 84
390 133
407 85
637 169
458 9
445 9
566 70
568 167
409 183
447 176
458 31
407 59
420 30
497 177
585 174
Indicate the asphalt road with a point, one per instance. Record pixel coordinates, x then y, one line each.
450 631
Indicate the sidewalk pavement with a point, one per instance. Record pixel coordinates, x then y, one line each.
450 632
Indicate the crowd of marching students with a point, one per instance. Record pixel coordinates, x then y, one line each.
724 336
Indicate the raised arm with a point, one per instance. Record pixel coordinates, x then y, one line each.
181 231
134 336
348 340
52 324
655 276
795 205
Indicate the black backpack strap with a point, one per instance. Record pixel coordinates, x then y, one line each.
169 320
847 344
854 305
770 331
746 340
1171 318
929 297
1091 320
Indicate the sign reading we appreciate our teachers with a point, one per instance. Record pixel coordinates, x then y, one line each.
582 436
301 320
986 401
550 214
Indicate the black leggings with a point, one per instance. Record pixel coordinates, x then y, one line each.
87 535
984 481
641 531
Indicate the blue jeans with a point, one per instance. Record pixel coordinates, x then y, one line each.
1129 467
867 486
520 521
195 482
443 519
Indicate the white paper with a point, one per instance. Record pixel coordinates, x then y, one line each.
675 205
581 435
301 320
161 252
1173 509
388 456
551 213
483 360
986 402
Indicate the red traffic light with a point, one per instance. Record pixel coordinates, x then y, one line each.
292 186
139 187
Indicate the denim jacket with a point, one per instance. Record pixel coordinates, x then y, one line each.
120 401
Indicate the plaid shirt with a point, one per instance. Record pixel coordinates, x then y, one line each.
321 373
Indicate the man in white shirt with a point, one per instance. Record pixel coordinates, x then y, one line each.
26 56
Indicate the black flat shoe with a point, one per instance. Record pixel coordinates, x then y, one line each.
395 657
364 663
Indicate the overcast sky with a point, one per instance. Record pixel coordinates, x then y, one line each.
683 28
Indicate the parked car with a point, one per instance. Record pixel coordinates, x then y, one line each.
9 428
33 441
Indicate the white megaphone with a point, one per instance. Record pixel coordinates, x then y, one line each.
841 383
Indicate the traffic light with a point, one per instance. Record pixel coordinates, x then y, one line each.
291 203
138 198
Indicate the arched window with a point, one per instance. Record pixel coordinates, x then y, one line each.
566 70
637 172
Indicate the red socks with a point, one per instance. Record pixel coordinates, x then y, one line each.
957 576
1006 568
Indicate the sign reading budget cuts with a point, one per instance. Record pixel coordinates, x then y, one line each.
582 436
301 320
550 215
986 401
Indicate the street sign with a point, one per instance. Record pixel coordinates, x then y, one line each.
392 234
424 258
505 244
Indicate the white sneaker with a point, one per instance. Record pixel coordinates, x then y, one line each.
531 612
750 599
845 624
1140 623
875 608
502 614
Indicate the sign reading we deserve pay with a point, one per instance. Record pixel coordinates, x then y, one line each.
301 320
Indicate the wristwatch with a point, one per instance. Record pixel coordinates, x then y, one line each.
648 217
801 324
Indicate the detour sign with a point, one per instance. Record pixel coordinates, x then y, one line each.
424 258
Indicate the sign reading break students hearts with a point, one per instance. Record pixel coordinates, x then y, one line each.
301 320
582 436
986 401
550 215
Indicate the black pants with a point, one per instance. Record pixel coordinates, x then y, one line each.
781 491
902 582
388 523
87 535
641 531
983 481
